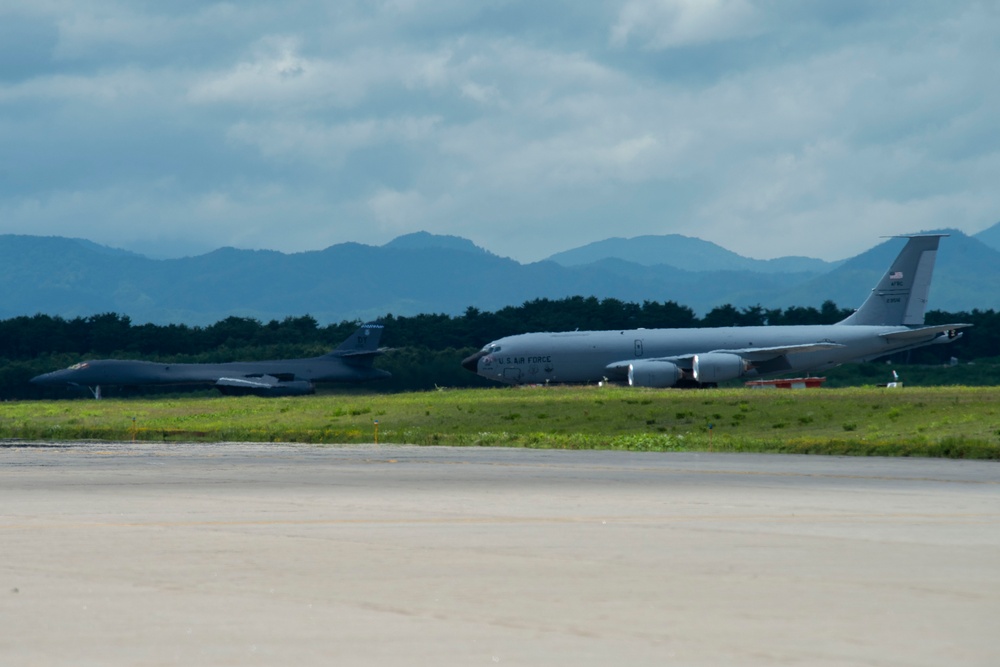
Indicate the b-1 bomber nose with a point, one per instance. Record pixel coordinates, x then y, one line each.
471 363
44 379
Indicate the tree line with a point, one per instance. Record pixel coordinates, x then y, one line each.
425 349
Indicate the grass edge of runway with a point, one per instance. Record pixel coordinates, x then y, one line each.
954 422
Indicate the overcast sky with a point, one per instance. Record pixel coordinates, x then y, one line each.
769 127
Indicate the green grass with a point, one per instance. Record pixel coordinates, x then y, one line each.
960 422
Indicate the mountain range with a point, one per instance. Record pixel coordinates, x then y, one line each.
425 273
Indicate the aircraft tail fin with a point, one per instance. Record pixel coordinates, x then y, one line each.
900 298
362 345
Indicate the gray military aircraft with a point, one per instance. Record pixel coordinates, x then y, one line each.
890 320
350 362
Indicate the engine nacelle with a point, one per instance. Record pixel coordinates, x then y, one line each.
651 373
719 367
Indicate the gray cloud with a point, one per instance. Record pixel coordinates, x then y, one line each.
769 127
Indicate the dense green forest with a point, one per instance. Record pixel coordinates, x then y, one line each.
425 350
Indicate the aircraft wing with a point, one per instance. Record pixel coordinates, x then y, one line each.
765 353
263 385
667 370
757 354
248 382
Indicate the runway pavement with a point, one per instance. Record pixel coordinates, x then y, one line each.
261 554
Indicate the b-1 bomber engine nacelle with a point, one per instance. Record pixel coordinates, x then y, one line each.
718 367
656 374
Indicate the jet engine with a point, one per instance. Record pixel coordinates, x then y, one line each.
651 373
718 367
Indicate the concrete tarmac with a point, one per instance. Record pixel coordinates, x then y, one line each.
254 554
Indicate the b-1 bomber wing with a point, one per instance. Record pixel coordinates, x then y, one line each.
249 382
264 385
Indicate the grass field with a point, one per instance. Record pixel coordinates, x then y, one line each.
961 422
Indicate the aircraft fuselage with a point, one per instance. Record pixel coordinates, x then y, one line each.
140 373
585 356
350 362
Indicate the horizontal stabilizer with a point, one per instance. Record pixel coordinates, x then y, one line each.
924 332
363 353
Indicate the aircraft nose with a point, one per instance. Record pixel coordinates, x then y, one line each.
52 379
45 378
471 363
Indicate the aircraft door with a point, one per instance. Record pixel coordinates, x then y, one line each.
512 374
638 348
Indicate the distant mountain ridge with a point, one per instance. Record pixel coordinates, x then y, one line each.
428 241
990 236
684 252
425 273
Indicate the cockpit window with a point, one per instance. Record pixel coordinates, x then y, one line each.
77 367
493 349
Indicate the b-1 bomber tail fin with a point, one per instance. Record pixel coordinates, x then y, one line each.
361 346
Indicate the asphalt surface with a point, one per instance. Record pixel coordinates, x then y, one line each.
249 554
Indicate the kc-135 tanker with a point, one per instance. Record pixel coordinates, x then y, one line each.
890 320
